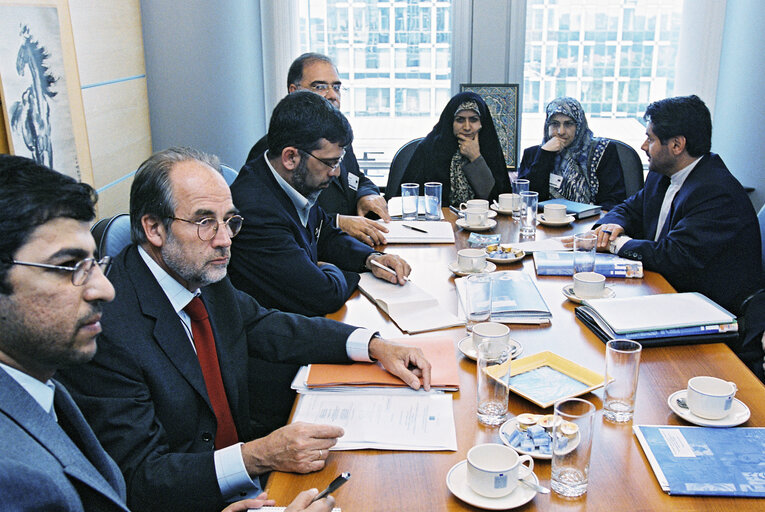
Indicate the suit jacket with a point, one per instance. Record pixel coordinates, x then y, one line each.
44 468
144 393
340 197
537 164
711 240
275 259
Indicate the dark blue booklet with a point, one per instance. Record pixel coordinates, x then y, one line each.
706 461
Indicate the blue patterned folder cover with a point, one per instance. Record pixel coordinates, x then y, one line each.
706 461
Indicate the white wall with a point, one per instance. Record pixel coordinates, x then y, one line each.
204 64
738 130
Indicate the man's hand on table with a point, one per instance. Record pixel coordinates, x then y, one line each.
393 262
407 363
367 230
374 203
301 503
295 448
607 233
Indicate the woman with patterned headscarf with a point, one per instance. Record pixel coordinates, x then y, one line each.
462 152
571 163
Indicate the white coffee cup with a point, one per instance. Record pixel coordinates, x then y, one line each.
490 331
493 470
589 285
471 260
508 201
555 212
710 397
481 204
476 217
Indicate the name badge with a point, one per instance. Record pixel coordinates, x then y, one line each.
353 181
556 180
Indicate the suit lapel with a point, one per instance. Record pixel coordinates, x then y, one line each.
43 428
169 333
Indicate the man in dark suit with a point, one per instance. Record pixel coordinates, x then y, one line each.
350 195
289 255
692 222
167 392
51 290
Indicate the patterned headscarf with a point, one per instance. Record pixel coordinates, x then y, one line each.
577 163
461 191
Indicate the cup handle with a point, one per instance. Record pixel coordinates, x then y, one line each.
528 468
735 388
463 207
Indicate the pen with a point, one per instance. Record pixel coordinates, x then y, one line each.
387 269
332 487
413 228
455 210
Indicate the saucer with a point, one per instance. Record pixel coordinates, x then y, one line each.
491 214
496 208
490 224
490 267
499 257
568 220
507 428
456 481
467 347
739 412
568 291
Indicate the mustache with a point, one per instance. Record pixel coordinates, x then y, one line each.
94 315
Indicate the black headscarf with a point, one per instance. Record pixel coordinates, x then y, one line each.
432 159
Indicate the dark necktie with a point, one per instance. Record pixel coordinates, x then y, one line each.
208 360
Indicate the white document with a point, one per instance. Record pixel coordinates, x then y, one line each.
409 306
420 423
395 207
430 232
548 244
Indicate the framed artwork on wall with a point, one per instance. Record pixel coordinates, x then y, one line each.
503 102
42 105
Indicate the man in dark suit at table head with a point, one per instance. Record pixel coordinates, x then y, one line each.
350 195
692 222
167 392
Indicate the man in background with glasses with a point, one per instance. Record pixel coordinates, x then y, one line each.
350 195
167 392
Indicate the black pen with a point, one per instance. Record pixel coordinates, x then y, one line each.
414 228
455 210
332 487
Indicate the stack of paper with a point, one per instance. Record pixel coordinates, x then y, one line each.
561 263
421 422
418 232
409 306
659 319
337 377
515 298
701 461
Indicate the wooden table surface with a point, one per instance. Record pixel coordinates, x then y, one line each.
620 477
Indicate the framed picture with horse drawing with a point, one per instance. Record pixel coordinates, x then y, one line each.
42 108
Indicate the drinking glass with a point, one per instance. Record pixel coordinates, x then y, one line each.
409 196
622 367
529 213
433 200
477 300
572 445
584 251
519 186
493 386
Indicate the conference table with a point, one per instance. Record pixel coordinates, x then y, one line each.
620 477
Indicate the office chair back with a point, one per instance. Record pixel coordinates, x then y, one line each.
761 220
751 325
111 234
229 174
632 167
398 166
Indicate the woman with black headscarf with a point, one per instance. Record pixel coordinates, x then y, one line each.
571 163
462 152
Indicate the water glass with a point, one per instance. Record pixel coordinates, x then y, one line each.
477 300
572 445
518 187
433 200
409 196
529 202
493 389
584 251
622 366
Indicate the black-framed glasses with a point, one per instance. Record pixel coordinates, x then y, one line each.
80 272
332 164
207 228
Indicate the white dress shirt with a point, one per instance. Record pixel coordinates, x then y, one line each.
675 183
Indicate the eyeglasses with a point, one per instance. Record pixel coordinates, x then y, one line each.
332 164
207 228
323 89
80 272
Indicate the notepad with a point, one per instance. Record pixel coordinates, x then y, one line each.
430 232
438 351
409 306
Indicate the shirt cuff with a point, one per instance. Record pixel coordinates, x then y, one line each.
357 345
616 246
233 480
